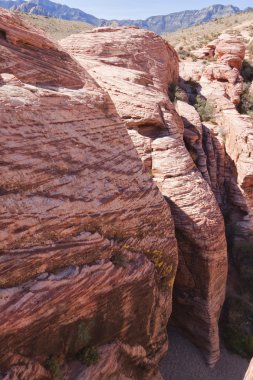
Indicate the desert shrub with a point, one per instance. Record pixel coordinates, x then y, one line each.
243 253
119 259
194 58
183 53
238 343
204 108
88 356
247 70
53 366
83 333
172 91
175 92
238 326
150 173
246 104
180 94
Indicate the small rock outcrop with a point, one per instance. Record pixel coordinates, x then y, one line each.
229 53
136 67
230 50
88 253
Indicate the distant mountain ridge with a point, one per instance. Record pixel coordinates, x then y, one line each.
158 24
180 20
50 9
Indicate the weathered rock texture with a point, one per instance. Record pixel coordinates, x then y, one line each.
228 144
88 251
136 67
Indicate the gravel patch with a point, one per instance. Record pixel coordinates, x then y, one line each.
185 362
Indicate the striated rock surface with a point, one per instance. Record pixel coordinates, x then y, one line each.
136 67
230 50
22 368
193 136
228 143
221 75
203 53
83 228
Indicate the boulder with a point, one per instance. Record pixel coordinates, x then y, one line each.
203 53
230 50
83 228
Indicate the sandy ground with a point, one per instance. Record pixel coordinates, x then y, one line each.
185 362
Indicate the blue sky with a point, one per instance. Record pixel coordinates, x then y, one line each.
110 9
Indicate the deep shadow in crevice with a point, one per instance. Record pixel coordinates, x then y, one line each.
3 35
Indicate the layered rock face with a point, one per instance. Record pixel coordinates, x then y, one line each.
228 143
136 67
88 253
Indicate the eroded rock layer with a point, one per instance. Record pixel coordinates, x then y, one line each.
136 67
228 144
88 253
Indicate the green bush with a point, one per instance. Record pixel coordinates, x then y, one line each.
53 366
247 71
119 259
172 91
238 327
246 104
236 342
175 92
83 333
204 108
89 356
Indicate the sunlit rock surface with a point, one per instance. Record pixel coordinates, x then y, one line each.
136 67
88 249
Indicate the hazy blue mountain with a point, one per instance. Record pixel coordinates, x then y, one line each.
158 24
180 20
50 9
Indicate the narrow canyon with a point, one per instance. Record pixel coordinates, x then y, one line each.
123 210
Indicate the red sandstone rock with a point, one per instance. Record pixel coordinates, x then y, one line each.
249 374
220 72
232 183
113 361
88 251
220 77
35 60
228 144
203 53
230 50
193 136
22 368
191 71
214 147
133 66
